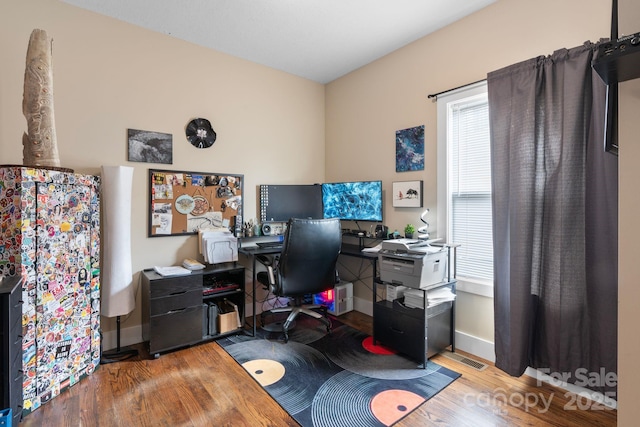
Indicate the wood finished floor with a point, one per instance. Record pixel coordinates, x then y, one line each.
204 386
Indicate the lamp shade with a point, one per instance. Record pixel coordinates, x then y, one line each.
118 293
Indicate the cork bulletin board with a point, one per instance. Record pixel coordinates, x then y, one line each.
183 202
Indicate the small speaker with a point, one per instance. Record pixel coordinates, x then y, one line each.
382 231
266 229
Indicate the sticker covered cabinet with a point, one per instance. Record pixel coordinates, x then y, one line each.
50 235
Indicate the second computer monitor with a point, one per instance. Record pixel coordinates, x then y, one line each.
278 203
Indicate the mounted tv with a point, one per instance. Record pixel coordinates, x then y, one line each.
353 201
278 203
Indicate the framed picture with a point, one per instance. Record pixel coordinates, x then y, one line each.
407 194
410 149
184 202
150 147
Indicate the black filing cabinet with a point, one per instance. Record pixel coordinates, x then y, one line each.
174 308
420 333
11 346
171 311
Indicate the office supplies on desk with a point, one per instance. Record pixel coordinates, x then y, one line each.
269 244
171 271
373 249
409 246
412 263
217 246
440 295
414 298
192 264
393 292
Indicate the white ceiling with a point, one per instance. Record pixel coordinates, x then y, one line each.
320 40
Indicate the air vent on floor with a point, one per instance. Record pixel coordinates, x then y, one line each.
478 366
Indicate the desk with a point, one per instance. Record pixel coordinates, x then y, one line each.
251 252
356 251
350 248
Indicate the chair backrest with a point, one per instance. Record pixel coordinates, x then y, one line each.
307 263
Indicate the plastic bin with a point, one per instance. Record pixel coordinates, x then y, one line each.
5 417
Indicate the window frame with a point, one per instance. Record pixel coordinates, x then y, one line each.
471 285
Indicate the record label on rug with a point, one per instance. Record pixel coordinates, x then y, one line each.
390 406
265 371
368 345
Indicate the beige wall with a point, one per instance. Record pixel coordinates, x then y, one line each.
110 76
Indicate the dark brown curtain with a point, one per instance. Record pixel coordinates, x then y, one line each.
555 201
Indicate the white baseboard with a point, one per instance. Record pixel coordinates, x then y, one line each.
363 306
128 336
476 346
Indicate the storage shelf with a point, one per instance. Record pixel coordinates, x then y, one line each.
418 332
175 310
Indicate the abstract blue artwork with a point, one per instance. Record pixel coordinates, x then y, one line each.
410 149
353 201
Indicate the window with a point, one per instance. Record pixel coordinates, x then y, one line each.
464 180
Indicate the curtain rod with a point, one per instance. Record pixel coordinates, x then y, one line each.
435 95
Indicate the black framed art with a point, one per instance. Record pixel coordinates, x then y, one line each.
407 194
149 146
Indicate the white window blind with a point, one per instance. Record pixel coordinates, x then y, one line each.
468 174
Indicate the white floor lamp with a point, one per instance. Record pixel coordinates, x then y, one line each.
118 293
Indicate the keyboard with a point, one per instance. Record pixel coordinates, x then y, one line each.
265 245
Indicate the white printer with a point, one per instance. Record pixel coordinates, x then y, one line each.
412 263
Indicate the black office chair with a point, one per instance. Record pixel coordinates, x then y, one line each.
306 265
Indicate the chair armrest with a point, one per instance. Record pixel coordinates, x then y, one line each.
272 279
264 260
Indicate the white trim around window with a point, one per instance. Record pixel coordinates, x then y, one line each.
473 91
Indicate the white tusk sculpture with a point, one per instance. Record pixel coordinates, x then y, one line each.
40 147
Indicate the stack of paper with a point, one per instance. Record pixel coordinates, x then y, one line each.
395 292
171 271
438 296
414 298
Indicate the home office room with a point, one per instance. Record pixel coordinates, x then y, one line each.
227 126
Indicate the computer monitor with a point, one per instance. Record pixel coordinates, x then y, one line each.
353 201
278 203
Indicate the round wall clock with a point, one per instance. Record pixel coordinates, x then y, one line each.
200 133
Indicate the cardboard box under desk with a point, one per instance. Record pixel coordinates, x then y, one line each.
228 318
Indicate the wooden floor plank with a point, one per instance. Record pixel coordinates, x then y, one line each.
204 386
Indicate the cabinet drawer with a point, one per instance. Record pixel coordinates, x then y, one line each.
439 309
174 286
175 329
176 301
402 332
401 309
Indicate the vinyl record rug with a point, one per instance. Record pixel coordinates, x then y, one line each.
337 379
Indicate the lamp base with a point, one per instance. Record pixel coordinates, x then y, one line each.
117 355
